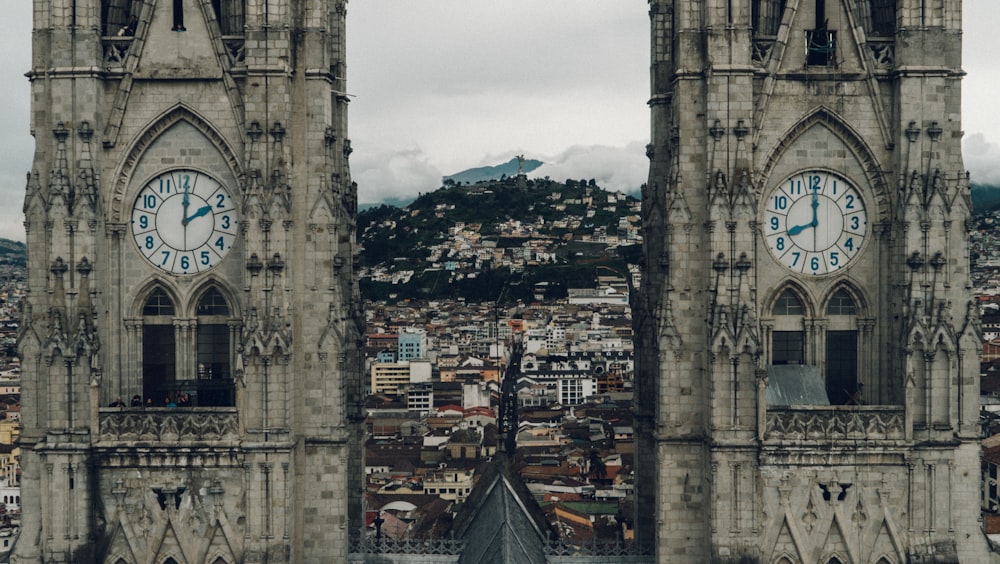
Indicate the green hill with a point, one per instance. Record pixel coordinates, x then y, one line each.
504 236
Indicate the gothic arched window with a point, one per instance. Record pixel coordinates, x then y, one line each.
215 379
787 340
159 347
187 362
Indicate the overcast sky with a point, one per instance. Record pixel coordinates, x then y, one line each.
443 85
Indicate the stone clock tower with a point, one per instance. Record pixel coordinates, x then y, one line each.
190 229
808 338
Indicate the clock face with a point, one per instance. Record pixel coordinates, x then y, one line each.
815 222
184 222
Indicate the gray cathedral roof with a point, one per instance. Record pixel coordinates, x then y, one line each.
501 523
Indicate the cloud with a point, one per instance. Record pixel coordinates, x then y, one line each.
393 174
622 168
982 159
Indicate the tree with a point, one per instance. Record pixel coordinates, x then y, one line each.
596 464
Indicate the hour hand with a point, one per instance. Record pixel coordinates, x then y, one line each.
201 211
800 228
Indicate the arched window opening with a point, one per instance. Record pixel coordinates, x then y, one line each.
230 15
878 17
215 381
178 16
841 304
842 386
788 339
117 16
766 16
159 348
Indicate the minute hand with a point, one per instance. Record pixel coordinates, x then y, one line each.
201 211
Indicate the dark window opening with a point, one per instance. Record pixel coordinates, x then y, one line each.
842 384
178 16
821 47
118 15
766 16
821 42
878 17
158 363
230 15
214 384
787 347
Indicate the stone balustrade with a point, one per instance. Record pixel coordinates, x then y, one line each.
835 423
169 424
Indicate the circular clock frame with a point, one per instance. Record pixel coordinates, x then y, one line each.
184 221
815 222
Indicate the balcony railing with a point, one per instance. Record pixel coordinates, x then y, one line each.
835 423
169 424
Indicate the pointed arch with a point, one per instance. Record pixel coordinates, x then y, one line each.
179 113
822 116
857 297
153 287
803 295
213 283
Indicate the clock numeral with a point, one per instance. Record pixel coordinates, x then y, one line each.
795 187
149 201
834 187
774 223
166 257
814 182
834 258
780 244
149 242
186 181
144 221
850 202
185 262
849 244
221 201
220 243
780 202
206 259
225 221
814 264
795 258
855 222
164 186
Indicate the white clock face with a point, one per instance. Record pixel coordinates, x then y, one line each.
815 222
184 222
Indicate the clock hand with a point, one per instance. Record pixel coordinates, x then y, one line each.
815 220
184 203
800 228
815 206
201 211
